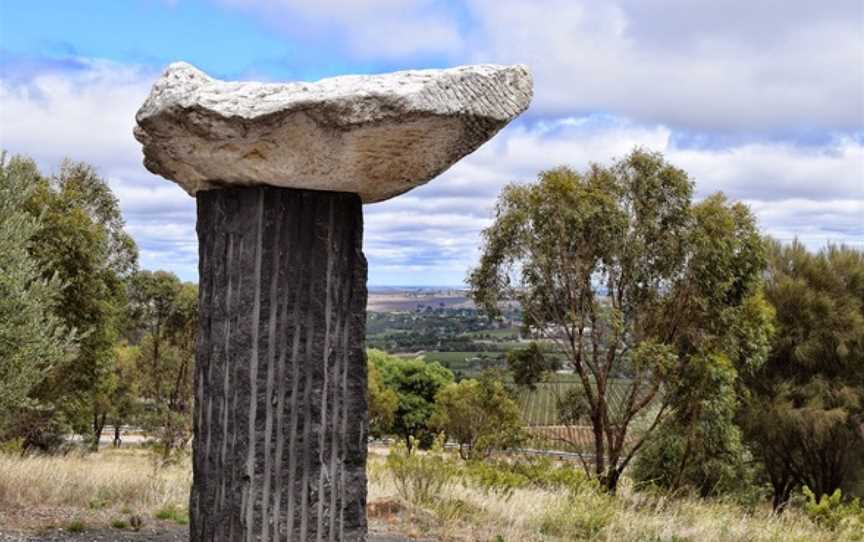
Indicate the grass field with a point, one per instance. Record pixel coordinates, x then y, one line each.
102 490
468 364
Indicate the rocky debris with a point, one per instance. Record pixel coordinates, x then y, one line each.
374 135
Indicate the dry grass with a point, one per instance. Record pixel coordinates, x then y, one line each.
468 514
97 489
112 483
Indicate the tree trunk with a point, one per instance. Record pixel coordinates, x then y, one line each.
599 446
281 416
98 426
117 440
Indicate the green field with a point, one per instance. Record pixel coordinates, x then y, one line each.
467 364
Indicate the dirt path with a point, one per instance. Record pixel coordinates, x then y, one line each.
168 533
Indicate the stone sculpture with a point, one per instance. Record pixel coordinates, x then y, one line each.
280 173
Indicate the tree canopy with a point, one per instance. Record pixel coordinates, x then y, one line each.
626 277
416 384
33 339
80 242
480 415
804 412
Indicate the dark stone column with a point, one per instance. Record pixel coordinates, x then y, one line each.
280 381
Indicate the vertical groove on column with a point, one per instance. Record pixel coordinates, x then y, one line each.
304 278
251 485
229 263
289 298
280 367
271 352
309 374
325 386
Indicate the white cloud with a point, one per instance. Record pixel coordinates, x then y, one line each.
702 65
430 235
87 113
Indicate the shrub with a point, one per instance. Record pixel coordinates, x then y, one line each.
831 512
451 510
715 466
173 513
13 446
119 524
503 477
480 415
420 477
579 517
76 526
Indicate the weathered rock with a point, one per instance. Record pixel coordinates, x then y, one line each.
280 384
376 136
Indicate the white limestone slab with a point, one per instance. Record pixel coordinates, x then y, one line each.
374 135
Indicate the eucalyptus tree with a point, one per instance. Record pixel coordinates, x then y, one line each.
617 270
163 312
33 339
80 241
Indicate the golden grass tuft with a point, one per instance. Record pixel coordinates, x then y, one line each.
121 479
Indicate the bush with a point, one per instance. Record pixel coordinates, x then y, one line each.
13 446
579 517
831 512
173 513
76 526
480 415
420 477
713 467
503 477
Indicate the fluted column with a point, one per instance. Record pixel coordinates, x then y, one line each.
280 412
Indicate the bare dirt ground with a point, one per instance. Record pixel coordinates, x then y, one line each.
171 534
51 524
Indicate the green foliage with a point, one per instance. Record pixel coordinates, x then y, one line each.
120 524
33 339
420 478
428 328
503 477
528 365
580 517
173 513
416 383
81 242
832 512
804 406
626 277
700 445
76 526
14 446
480 415
383 403
163 312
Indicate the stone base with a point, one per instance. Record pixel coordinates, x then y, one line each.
280 411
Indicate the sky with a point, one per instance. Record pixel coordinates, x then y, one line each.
760 99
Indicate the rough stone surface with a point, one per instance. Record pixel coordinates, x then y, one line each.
376 136
280 412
